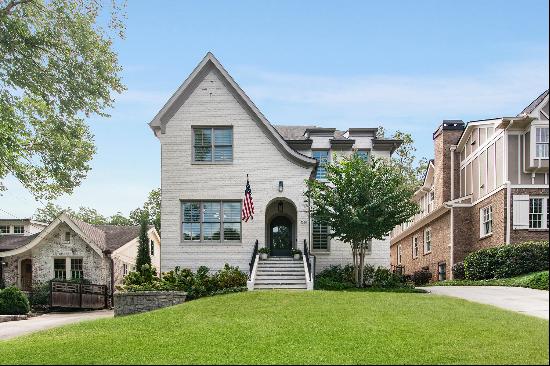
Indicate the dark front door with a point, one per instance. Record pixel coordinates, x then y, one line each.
26 275
281 236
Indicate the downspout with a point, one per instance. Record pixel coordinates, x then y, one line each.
451 234
508 198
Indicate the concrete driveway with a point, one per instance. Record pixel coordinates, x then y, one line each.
519 299
51 320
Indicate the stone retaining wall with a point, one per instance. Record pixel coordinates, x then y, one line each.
127 303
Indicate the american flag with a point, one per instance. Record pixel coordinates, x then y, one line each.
248 205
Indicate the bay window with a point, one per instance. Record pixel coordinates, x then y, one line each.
541 142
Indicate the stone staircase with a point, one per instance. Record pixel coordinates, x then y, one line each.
280 273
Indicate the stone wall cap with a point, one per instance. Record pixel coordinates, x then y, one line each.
149 293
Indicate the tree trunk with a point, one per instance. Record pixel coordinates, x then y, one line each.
362 264
355 265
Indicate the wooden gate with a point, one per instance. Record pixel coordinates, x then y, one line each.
76 295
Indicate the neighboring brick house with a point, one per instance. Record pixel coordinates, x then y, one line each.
212 137
69 248
487 186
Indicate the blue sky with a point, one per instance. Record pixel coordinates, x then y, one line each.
401 64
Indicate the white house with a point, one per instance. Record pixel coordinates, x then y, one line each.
212 137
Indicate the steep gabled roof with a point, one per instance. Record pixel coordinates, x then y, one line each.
534 104
208 63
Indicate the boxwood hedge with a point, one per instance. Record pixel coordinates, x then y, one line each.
507 261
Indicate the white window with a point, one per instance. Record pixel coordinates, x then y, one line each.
320 234
427 241
67 236
77 269
4 229
415 247
399 254
18 229
541 142
60 268
431 199
486 221
124 269
538 213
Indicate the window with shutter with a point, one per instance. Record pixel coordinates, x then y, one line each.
520 212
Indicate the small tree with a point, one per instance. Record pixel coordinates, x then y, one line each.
362 200
143 256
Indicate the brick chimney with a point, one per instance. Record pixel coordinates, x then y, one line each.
446 135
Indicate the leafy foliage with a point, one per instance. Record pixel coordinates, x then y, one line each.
507 261
458 271
422 277
337 277
362 200
537 280
13 302
198 284
57 66
143 256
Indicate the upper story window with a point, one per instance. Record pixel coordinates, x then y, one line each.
399 257
427 241
19 229
415 247
431 199
213 144
363 154
67 236
541 142
211 221
152 246
322 157
538 213
486 221
4 229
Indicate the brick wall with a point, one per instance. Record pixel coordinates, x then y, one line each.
518 236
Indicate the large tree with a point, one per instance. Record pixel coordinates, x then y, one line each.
405 158
151 209
57 67
361 200
143 255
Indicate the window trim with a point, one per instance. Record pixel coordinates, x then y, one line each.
82 267
222 240
544 213
212 162
439 271
7 232
535 143
19 226
65 237
427 230
320 250
482 222
415 241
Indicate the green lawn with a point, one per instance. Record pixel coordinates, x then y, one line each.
536 280
297 327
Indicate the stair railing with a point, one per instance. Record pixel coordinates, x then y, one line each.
253 259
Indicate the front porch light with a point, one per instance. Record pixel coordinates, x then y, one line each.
280 186
280 206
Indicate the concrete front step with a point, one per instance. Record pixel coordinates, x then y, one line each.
278 274
281 287
280 282
280 278
279 265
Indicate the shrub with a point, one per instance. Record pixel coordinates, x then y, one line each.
264 250
335 277
230 277
458 271
13 302
384 278
40 294
538 281
422 277
507 261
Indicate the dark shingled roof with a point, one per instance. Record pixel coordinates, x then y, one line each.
531 107
9 242
297 132
106 237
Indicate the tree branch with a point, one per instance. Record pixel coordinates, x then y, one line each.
7 10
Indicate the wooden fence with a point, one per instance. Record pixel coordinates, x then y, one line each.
76 295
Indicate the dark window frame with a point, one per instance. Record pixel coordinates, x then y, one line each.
212 145
201 221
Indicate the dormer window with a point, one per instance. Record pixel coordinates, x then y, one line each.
322 157
4 229
18 229
67 236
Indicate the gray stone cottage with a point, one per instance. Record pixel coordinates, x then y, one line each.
68 249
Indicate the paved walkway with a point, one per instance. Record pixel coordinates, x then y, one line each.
51 320
523 300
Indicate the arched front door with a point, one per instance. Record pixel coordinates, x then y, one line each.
280 236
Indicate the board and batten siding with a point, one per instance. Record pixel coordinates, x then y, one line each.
211 103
